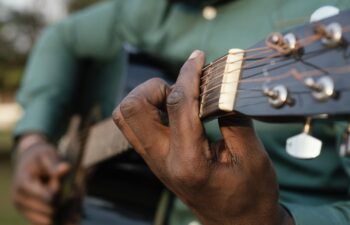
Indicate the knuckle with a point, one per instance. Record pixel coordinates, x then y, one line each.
117 118
155 82
130 106
176 97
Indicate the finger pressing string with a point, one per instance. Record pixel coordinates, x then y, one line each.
139 112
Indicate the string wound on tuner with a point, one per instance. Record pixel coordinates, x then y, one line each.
304 146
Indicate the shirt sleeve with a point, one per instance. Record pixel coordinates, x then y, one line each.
51 74
337 213
97 33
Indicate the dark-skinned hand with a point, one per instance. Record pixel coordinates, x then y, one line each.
38 172
224 183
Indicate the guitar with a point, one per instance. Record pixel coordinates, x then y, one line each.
287 77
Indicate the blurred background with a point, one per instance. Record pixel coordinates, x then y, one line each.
21 22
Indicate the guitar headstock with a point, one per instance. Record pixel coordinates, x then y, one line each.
302 72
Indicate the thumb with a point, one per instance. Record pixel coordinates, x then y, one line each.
61 170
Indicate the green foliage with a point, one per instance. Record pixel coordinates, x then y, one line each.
18 32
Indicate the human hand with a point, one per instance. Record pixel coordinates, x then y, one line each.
228 182
37 179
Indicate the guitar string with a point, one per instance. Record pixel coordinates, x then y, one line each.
223 57
219 85
311 38
214 107
240 60
299 77
339 72
306 40
301 42
252 79
206 83
216 71
213 104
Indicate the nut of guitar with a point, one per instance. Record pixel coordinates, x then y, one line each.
230 80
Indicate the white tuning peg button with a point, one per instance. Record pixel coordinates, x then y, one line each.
323 13
303 146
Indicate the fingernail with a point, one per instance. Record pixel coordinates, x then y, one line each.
195 54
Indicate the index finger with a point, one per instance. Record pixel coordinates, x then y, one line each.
139 118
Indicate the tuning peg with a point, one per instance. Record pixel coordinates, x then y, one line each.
323 13
344 149
332 33
285 44
278 96
322 89
304 146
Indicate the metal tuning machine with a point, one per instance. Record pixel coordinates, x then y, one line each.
344 149
284 44
304 146
278 96
332 33
322 89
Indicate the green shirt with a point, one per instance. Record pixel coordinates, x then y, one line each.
315 191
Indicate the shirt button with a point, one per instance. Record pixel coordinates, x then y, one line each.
194 223
209 13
